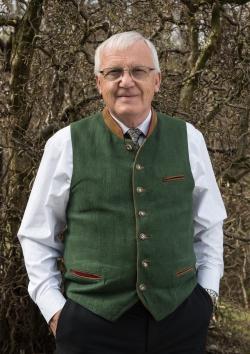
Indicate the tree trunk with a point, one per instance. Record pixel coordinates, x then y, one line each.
197 61
14 188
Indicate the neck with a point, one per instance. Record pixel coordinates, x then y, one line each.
130 121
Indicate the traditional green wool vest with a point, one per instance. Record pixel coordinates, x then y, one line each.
129 218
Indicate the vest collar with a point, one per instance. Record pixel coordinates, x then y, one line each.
116 129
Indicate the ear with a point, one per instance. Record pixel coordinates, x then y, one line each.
157 82
98 84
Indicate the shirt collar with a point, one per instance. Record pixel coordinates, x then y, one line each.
144 126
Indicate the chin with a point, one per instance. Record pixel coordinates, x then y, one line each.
127 110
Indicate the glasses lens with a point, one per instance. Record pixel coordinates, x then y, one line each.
137 73
140 73
113 73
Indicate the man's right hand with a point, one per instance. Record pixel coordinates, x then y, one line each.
53 322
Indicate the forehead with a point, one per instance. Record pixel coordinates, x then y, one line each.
136 54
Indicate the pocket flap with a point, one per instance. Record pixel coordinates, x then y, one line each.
173 178
80 274
183 271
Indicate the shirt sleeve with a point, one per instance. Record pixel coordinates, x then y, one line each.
208 214
44 219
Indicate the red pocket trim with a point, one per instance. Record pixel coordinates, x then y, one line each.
80 274
173 178
184 271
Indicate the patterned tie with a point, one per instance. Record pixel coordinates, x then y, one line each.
134 134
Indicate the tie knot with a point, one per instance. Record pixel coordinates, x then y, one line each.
134 134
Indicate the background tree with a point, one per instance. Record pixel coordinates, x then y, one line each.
46 82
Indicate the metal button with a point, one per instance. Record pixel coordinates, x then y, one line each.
145 263
139 167
143 236
140 189
141 213
129 147
142 287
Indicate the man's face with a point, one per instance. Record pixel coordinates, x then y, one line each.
127 99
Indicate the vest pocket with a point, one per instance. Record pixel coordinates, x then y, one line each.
184 271
173 178
85 275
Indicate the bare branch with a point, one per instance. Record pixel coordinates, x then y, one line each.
198 61
236 237
9 21
81 9
191 5
235 2
88 56
230 20
76 107
21 67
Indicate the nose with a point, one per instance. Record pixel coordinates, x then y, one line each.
126 79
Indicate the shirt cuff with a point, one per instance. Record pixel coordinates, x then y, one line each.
209 279
50 302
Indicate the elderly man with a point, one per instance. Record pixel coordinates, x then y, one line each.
135 194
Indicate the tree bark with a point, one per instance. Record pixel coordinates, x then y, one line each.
15 185
21 60
197 61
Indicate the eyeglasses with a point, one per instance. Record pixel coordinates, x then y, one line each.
137 73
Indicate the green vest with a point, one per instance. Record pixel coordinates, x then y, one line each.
129 230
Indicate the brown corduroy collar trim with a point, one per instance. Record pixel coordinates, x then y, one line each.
116 129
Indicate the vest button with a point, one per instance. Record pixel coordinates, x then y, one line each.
141 213
140 189
145 263
142 287
143 236
129 147
139 167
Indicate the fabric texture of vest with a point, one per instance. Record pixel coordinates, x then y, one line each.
129 218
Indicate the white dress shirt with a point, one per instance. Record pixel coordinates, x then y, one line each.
45 218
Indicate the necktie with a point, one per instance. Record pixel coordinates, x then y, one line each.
134 134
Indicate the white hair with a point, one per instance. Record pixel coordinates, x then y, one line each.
123 41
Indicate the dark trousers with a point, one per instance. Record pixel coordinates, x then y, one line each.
136 332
